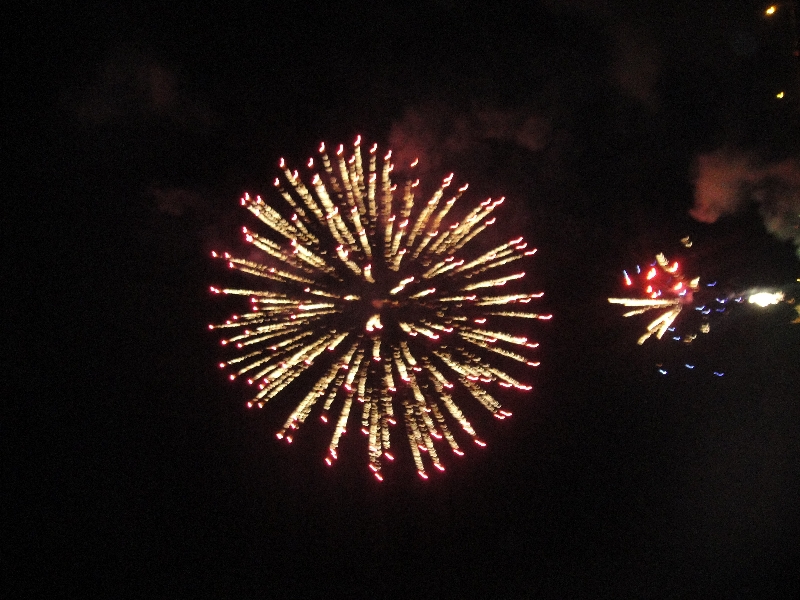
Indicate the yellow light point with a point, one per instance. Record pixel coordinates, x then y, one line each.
779 95
771 10
368 274
342 304
373 323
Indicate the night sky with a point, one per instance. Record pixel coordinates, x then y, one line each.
139 472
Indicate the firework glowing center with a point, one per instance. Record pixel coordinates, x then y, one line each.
378 304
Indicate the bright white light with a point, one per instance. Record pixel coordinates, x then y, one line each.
765 298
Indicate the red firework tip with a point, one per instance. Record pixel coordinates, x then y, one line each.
378 476
358 141
480 443
388 456
439 466
422 474
457 451
231 376
214 253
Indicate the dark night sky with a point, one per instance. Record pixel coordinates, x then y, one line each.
139 472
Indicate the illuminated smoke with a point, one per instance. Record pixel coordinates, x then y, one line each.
433 132
727 180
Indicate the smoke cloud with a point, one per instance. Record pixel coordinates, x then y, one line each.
131 86
727 180
433 132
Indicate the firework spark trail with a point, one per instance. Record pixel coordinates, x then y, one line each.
386 291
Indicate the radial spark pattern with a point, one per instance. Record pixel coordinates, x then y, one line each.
380 308
662 288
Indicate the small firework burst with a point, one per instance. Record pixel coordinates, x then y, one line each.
663 288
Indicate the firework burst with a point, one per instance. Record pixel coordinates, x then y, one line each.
380 306
666 290
684 306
